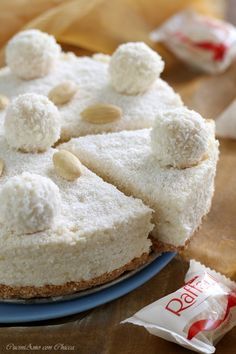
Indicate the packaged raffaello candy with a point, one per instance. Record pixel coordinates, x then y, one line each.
203 42
197 315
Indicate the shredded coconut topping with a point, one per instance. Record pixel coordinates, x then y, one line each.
32 54
179 138
29 203
134 67
32 123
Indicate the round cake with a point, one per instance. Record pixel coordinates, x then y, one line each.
77 214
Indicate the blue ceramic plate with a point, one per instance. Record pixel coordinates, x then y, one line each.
11 312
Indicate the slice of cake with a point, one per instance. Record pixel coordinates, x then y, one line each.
128 86
62 228
170 167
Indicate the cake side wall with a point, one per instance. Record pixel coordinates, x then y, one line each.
88 258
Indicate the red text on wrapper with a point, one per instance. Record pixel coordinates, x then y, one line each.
189 294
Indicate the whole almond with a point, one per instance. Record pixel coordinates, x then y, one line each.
67 165
63 93
101 113
1 166
3 102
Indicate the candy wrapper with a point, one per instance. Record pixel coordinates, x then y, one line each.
197 315
201 41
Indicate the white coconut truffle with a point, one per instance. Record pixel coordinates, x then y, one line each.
134 67
29 203
32 123
31 54
179 138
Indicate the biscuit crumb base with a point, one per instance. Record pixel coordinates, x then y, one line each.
28 292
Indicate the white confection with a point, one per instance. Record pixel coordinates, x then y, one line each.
179 138
98 230
226 122
134 67
180 198
29 203
31 54
32 123
93 81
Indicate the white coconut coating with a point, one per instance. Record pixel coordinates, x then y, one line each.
32 123
29 203
134 67
179 138
31 54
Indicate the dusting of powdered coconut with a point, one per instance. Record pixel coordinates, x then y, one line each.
179 138
134 67
32 123
29 203
31 54
92 78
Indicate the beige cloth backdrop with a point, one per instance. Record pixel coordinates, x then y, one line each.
95 25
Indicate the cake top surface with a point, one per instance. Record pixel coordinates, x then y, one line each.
129 155
82 70
88 204
94 86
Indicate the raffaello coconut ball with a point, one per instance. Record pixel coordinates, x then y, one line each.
29 203
134 67
180 138
32 54
32 123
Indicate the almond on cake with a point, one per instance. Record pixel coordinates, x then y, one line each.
170 167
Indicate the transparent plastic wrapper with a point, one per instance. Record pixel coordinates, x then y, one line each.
203 42
197 315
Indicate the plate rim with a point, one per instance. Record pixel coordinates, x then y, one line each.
21 313
54 299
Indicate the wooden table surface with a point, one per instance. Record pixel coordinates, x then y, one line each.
99 331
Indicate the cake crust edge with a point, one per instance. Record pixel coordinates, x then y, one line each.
50 290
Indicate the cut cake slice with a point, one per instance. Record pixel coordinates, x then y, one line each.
179 197
100 234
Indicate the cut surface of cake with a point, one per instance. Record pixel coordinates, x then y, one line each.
180 197
62 228
94 82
